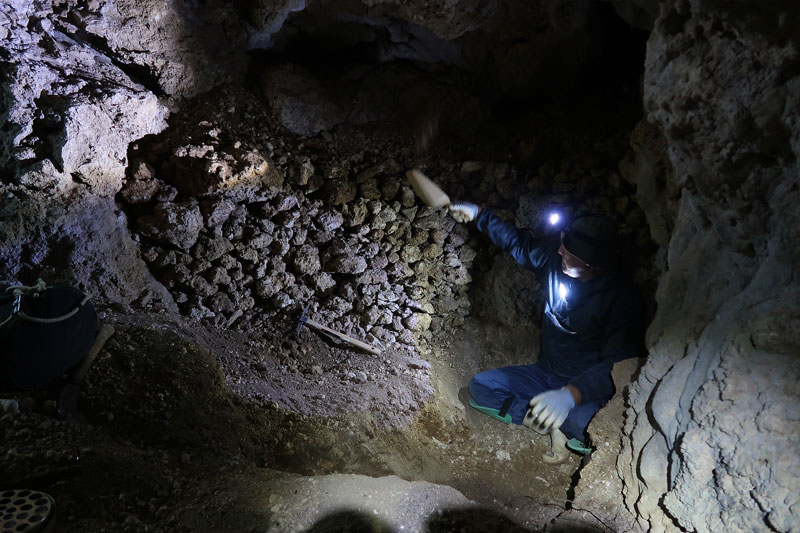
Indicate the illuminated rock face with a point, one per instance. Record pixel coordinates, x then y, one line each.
69 115
217 229
718 394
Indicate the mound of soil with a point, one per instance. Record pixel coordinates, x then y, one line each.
180 436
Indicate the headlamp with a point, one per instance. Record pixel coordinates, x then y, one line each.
557 218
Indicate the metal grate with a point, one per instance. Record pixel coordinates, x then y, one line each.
26 511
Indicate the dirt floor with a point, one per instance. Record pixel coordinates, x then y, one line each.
187 430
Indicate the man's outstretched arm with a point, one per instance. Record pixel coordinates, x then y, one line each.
519 244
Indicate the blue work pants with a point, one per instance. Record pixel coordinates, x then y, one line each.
493 388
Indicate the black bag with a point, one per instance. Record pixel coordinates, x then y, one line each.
44 331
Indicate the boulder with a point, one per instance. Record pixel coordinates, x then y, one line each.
141 185
178 224
299 101
306 260
203 169
346 264
340 192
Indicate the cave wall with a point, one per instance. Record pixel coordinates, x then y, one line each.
174 49
712 426
81 81
259 230
69 113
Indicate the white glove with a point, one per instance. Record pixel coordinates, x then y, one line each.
549 409
463 211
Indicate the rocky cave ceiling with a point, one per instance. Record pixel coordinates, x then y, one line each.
203 170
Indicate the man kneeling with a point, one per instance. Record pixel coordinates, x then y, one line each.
593 318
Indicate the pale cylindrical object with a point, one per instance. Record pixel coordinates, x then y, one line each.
428 191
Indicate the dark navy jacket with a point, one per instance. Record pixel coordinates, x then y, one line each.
586 326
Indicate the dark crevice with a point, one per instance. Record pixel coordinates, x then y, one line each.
320 50
140 74
50 261
576 477
764 510
671 474
46 137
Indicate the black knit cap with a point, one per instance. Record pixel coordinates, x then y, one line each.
592 238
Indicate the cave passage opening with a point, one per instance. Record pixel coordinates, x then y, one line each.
475 83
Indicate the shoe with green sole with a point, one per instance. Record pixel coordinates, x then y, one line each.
578 446
494 413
